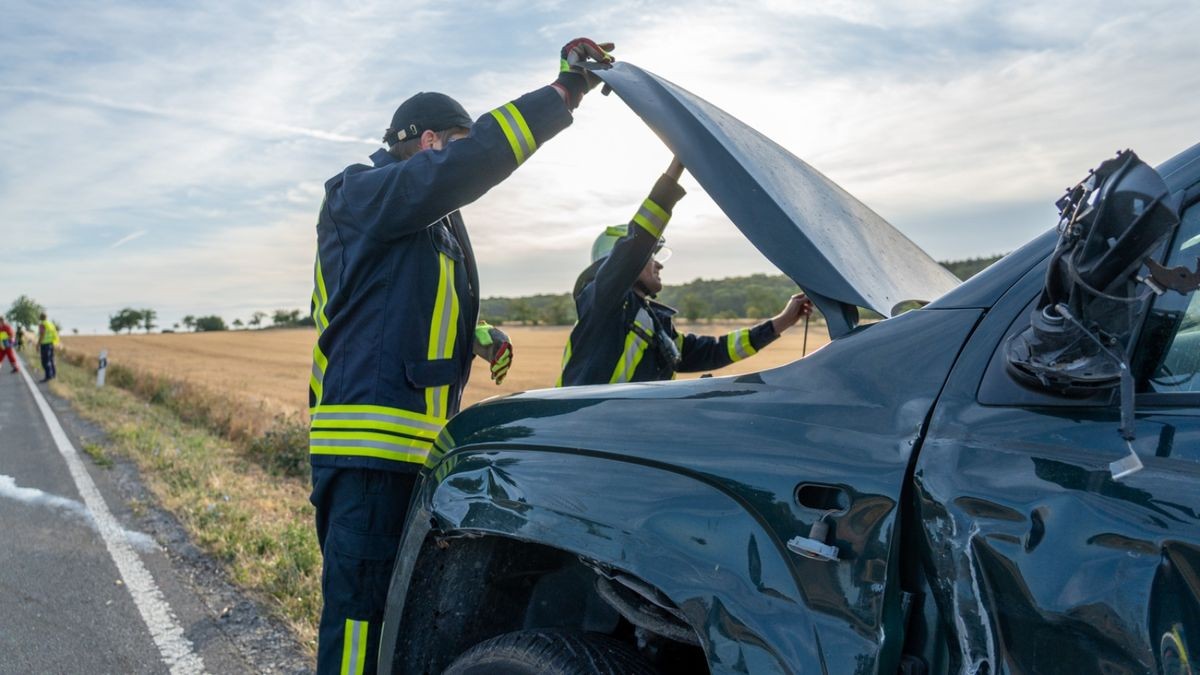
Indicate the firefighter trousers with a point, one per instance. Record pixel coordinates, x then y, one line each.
360 517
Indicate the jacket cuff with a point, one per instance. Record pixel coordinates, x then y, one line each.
655 212
666 192
763 334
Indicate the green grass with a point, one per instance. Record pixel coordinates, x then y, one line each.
244 503
98 454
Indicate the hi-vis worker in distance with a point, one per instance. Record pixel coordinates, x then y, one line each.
396 303
47 341
623 334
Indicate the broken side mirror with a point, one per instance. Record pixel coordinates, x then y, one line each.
1094 298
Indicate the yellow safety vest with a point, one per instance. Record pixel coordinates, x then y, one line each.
49 333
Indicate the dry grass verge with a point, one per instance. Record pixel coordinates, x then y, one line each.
239 501
279 442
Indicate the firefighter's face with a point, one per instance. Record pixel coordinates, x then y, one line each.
649 282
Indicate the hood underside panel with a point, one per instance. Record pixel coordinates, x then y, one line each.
819 235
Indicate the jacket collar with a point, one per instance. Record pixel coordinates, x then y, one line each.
382 157
660 307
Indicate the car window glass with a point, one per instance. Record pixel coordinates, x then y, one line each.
1170 346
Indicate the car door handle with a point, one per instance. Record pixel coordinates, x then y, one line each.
813 546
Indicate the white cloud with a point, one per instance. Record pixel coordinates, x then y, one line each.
128 238
959 122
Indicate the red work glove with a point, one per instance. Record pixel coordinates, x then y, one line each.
573 78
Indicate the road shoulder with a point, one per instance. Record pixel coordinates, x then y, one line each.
231 631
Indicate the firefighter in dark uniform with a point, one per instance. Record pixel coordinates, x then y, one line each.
395 302
623 334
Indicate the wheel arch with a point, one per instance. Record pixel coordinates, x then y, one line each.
510 512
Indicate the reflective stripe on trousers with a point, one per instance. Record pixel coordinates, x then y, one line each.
354 648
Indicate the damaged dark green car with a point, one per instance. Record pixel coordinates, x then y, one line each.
1004 479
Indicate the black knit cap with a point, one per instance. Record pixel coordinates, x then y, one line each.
426 111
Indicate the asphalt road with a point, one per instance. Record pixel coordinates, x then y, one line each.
83 589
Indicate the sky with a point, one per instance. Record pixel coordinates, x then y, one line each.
172 155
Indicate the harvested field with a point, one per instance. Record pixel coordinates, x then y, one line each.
267 370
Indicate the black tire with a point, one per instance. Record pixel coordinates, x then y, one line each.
550 652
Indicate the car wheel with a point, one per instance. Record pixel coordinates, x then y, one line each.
547 652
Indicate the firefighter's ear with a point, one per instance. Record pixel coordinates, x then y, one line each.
429 140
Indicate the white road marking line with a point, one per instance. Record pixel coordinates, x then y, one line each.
174 646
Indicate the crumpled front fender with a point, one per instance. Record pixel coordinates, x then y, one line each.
697 544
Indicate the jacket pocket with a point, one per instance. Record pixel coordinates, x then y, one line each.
435 373
444 241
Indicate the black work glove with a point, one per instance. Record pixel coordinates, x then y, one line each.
667 192
572 76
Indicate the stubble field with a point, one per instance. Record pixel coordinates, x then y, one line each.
267 370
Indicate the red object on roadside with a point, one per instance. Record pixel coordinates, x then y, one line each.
6 350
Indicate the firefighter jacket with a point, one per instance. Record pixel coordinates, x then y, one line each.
396 292
623 337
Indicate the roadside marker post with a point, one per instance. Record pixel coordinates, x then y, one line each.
102 368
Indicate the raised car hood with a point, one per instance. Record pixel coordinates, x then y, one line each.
840 252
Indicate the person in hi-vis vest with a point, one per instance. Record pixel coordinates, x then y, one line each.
47 341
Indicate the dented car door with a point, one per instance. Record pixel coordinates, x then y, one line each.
1036 552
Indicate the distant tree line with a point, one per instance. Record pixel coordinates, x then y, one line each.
129 319
756 296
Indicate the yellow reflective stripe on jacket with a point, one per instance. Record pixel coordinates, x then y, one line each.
354 647
3 335
368 444
443 331
376 418
316 380
320 298
380 410
566 359
738 344
520 138
635 349
652 218
320 362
